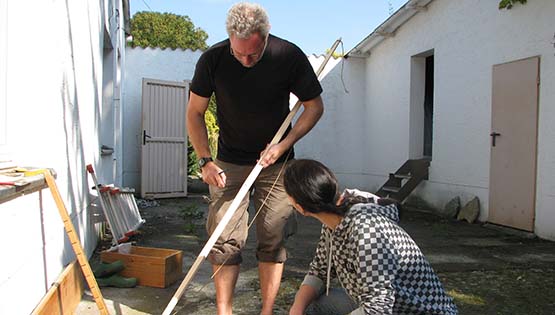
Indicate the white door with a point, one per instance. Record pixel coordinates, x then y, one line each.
514 127
164 139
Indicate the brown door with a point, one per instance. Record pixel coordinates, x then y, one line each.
513 138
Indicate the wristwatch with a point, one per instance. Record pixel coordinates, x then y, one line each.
203 161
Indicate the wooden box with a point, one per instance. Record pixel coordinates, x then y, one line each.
153 267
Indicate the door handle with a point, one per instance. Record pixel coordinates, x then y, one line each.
494 135
145 136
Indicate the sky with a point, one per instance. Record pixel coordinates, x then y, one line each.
313 25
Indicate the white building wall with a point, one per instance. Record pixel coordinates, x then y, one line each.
468 38
52 101
152 63
338 139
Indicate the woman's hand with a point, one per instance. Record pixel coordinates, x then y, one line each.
296 310
304 296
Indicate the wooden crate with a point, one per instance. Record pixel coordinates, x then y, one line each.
153 267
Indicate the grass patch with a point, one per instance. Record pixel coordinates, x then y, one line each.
466 298
505 291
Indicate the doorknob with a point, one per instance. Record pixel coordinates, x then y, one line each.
145 136
493 136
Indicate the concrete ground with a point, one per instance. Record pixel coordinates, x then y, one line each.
486 269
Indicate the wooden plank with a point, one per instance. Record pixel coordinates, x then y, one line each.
64 295
32 184
76 244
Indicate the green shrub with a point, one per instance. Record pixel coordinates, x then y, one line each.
213 129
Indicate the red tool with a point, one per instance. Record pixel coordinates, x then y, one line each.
14 183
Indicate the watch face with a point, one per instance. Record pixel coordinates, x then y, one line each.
203 161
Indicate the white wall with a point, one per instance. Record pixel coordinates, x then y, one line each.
468 38
52 99
152 63
338 139
3 75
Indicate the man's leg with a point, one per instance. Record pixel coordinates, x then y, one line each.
270 278
225 281
227 250
270 224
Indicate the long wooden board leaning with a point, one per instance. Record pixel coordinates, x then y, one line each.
75 243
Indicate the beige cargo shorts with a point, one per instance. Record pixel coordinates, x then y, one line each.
274 223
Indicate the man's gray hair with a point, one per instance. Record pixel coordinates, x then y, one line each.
245 19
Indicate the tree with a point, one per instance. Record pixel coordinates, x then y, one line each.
155 29
508 4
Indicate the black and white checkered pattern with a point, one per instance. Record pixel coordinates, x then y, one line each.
379 264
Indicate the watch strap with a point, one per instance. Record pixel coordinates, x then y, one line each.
202 161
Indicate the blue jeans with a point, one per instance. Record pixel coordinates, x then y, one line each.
338 302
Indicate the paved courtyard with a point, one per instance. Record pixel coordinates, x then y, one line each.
486 269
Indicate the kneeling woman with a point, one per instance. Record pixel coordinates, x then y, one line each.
380 267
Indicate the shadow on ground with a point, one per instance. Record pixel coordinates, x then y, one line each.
486 270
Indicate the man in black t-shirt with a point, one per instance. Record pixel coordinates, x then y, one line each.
252 75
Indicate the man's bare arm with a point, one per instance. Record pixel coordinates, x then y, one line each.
198 135
313 110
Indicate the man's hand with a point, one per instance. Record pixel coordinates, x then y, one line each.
313 110
271 154
213 175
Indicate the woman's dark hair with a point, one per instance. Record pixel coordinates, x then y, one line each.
313 186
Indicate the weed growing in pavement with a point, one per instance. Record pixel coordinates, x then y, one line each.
190 228
190 212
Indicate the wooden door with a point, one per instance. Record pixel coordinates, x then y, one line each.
513 136
164 139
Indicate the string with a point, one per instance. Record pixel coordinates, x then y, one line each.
259 209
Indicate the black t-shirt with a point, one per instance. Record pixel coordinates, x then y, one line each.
252 103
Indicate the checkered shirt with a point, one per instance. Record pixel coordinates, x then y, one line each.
379 264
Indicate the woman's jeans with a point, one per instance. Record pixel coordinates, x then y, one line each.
338 302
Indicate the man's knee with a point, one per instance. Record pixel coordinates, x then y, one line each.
274 256
219 257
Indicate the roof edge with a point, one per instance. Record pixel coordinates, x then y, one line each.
388 28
